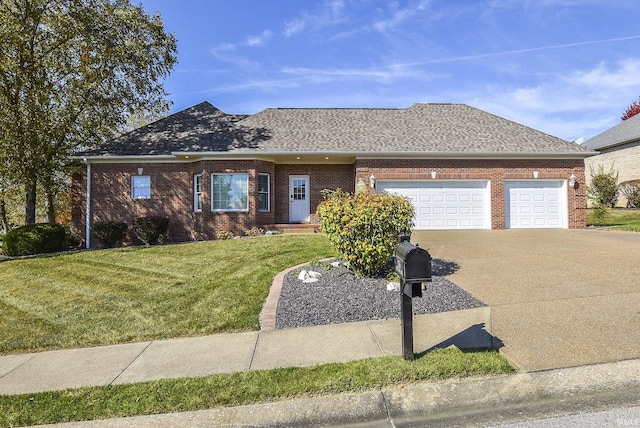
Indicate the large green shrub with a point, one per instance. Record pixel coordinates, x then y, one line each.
71 239
603 190
365 228
149 229
109 232
34 239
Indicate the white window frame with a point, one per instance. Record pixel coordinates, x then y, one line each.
136 187
266 194
197 193
243 175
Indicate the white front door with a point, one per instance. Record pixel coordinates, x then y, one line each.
299 211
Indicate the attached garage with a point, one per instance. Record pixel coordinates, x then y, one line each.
531 204
439 204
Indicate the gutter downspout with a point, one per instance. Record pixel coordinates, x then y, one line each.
87 219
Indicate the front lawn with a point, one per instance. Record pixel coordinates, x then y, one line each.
134 294
618 218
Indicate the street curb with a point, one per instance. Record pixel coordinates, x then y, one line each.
436 404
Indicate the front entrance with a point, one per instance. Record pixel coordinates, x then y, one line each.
299 210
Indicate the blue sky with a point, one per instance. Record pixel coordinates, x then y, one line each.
565 67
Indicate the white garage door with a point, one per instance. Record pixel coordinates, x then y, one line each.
535 204
445 204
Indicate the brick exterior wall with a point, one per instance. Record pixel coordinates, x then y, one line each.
172 189
320 177
171 196
497 171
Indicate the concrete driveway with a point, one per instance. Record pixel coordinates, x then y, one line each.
558 298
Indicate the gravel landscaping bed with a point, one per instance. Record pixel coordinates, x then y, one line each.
339 297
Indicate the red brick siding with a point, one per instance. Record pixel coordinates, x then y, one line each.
171 196
320 177
497 171
172 189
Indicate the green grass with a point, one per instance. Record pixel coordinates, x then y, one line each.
134 294
617 218
245 388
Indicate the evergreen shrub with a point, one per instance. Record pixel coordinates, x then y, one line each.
36 238
109 232
150 229
364 228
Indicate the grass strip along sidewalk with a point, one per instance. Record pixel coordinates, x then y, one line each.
243 388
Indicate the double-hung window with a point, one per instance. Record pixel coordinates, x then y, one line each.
197 193
230 192
263 192
140 187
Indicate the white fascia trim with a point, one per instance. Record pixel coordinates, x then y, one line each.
127 159
198 156
476 155
407 154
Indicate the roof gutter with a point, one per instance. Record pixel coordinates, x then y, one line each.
197 156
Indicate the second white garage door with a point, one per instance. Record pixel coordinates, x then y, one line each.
445 204
535 204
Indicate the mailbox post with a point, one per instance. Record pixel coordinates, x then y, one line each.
413 265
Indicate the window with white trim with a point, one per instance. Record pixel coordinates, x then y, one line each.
197 193
230 192
140 187
263 192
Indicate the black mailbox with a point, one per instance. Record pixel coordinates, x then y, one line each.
413 264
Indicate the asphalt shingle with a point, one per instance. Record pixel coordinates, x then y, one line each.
421 128
624 132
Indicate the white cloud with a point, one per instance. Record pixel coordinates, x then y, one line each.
294 27
382 75
570 105
398 16
226 53
259 40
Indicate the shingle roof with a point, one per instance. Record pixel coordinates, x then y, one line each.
624 132
199 128
421 128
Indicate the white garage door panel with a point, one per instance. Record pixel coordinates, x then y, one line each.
445 205
535 204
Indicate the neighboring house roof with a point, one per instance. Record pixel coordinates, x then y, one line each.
625 132
420 129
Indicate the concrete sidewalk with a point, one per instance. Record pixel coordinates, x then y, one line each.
225 353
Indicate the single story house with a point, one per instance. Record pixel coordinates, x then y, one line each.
619 148
209 171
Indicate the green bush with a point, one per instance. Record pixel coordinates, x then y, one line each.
109 232
365 228
223 234
71 238
631 191
603 190
600 215
255 231
34 239
149 229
